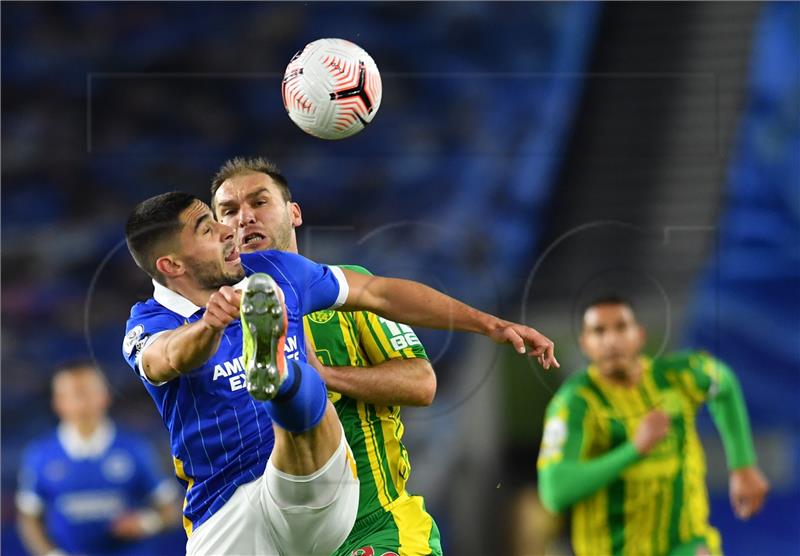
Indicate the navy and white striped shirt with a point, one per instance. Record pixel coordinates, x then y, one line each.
221 437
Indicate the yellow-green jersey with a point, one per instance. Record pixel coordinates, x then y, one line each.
374 433
624 503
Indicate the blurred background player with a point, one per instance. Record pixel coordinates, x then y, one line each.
621 449
372 366
91 488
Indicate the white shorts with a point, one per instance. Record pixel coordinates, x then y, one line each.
285 514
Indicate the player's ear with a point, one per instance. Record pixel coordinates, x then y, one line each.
106 399
169 266
582 342
295 214
56 401
642 333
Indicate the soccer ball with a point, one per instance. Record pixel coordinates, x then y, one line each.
331 89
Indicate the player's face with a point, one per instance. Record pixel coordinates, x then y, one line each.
208 249
254 206
612 339
80 397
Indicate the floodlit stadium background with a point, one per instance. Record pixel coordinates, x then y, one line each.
525 156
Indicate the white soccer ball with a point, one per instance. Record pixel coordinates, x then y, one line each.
331 89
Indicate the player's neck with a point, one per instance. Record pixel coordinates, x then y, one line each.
86 429
194 293
627 378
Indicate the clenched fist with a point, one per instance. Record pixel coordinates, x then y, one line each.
748 487
222 308
651 431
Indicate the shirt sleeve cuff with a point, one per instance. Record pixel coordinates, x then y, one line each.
139 356
165 492
29 503
344 288
629 453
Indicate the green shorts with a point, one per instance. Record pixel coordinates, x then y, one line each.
404 530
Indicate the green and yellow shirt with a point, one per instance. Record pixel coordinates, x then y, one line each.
362 339
623 503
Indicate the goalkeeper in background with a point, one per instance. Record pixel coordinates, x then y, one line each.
621 449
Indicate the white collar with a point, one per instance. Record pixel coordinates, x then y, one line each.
173 301
176 303
78 447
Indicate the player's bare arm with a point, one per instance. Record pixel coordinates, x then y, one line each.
409 382
34 536
416 304
178 351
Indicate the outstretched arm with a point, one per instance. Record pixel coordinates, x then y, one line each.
419 305
178 351
392 370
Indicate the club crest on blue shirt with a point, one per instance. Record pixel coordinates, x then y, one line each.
132 338
55 471
118 467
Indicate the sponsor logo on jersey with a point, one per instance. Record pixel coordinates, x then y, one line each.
118 467
233 370
91 505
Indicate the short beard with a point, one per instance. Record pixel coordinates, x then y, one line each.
210 276
282 238
619 374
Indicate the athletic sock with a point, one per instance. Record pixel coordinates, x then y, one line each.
301 400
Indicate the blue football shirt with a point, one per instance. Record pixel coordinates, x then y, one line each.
221 437
81 487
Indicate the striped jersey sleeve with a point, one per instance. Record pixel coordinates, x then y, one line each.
383 339
317 286
145 324
29 497
566 429
700 375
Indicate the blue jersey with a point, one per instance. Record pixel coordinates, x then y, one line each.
79 492
221 437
